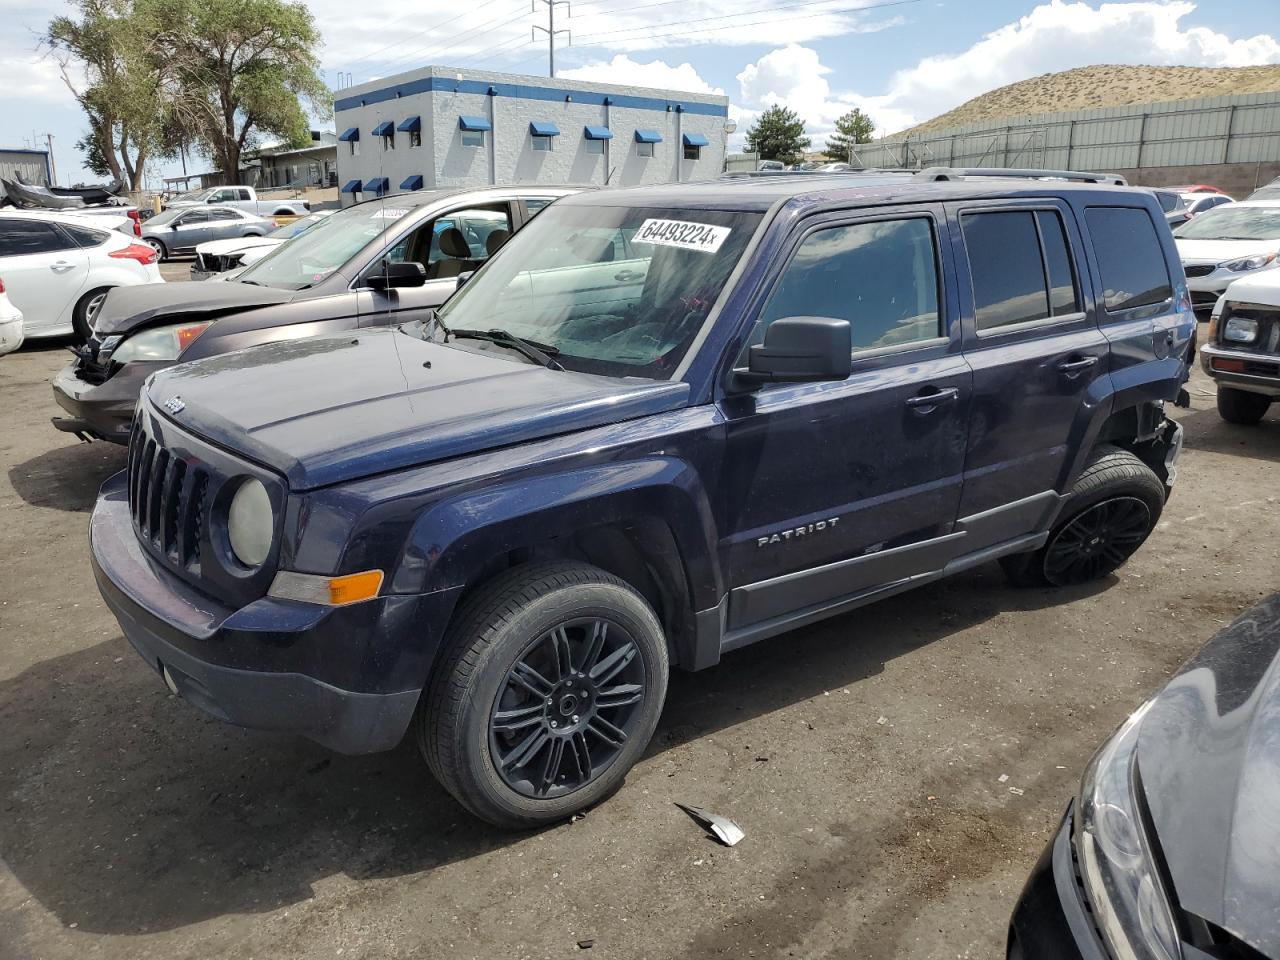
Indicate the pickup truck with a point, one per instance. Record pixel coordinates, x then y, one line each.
242 198
663 423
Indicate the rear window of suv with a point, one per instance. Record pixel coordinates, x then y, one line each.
1130 257
1020 267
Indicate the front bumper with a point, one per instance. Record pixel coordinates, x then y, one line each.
270 665
1260 373
101 410
1052 921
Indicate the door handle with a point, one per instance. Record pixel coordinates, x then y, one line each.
1073 368
61 266
932 398
622 276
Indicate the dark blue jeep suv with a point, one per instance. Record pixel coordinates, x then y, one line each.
661 424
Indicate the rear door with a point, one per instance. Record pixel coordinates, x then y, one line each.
1032 338
44 271
225 224
833 489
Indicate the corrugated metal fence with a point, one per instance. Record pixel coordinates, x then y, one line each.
1235 129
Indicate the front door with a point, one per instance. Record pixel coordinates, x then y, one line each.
452 243
1037 354
188 230
835 489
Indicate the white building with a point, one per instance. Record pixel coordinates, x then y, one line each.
444 127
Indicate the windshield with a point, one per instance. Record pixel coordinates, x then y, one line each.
165 216
621 291
1233 222
191 196
323 247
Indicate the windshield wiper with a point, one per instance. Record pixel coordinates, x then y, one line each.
540 353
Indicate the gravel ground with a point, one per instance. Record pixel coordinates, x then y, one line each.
865 758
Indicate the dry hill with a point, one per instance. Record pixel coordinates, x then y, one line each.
1104 85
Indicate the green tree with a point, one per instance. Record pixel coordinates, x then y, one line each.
778 134
110 66
853 128
239 70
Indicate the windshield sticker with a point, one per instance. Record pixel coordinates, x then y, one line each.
389 213
703 237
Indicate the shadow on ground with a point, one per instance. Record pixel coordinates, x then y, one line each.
126 812
67 477
1206 430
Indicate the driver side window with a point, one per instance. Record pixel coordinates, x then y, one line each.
881 276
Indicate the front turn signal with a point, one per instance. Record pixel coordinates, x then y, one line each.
328 591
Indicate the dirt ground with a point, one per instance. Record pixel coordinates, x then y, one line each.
864 758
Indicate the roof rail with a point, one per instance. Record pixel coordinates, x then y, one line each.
957 173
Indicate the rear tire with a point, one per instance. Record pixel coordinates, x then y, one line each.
1112 509
549 688
157 246
84 312
1241 406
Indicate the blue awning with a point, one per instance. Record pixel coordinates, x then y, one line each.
474 123
695 140
351 133
377 185
413 182
384 129
411 125
648 136
541 129
598 133
352 186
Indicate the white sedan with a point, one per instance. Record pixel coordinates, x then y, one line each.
1225 244
10 323
58 267
219 256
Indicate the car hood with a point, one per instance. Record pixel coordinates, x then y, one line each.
330 409
1262 287
1220 250
128 308
218 248
1209 757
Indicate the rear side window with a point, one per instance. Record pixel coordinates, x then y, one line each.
1020 267
880 276
22 237
1130 257
86 236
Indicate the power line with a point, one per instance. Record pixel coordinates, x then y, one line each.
551 31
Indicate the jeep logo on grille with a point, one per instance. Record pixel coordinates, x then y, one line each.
175 405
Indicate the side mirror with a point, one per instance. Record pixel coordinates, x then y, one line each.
175 225
212 200
397 275
799 349
463 278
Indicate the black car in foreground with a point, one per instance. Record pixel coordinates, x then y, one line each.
1172 849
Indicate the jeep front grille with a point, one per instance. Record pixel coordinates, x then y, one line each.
166 499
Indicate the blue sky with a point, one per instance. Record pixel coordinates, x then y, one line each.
902 62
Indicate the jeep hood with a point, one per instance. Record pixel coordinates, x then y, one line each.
129 308
1209 756
331 409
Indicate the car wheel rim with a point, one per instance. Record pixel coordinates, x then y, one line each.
95 304
156 247
1097 541
567 708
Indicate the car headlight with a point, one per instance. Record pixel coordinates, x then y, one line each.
1117 864
1250 263
158 343
251 523
1240 330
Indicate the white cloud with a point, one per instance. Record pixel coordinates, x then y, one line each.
1054 36
655 73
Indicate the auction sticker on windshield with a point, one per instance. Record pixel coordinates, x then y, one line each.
703 237
388 213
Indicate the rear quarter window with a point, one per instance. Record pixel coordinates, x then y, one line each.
85 236
1130 257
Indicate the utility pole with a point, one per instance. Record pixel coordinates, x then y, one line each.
53 164
550 29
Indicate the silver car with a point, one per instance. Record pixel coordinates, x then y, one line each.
180 230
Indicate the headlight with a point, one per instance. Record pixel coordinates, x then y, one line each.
1250 263
158 343
1116 862
1240 330
251 523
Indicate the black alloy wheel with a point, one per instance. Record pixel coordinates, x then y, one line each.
567 707
1097 541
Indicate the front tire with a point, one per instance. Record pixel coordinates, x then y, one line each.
549 688
1112 509
1241 406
